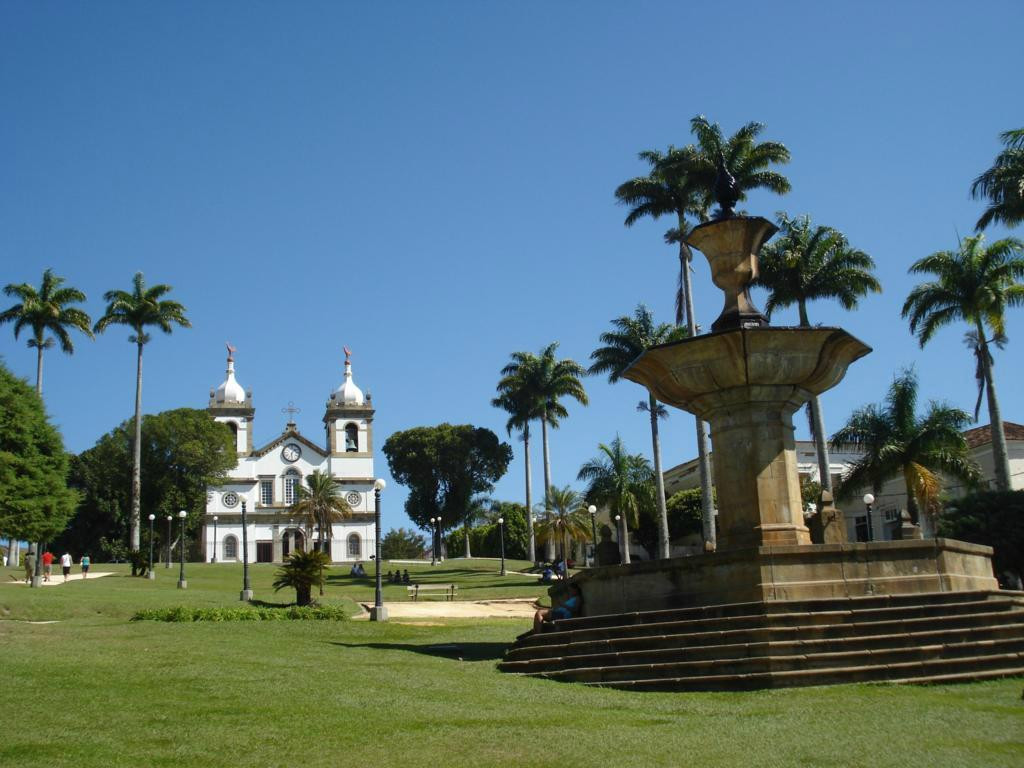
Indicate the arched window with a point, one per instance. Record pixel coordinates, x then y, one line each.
230 548
291 486
351 439
354 545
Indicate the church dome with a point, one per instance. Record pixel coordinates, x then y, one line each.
348 393
230 391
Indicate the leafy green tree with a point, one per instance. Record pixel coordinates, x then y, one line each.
400 544
45 311
895 442
140 309
1003 184
35 501
684 512
811 263
545 381
992 518
631 337
568 519
518 401
974 284
444 468
183 452
619 481
302 571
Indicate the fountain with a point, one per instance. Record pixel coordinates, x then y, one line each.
770 607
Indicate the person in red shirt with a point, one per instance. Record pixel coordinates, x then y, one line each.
47 565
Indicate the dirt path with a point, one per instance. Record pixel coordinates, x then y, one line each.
518 608
58 578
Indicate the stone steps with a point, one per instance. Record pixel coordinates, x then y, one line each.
911 638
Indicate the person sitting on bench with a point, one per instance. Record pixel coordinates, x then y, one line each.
405 576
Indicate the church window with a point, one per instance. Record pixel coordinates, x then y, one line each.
354 545
351 438
230 548
291 486
266 492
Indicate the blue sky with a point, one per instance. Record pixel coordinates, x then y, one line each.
432 185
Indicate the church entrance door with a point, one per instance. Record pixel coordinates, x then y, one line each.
264 551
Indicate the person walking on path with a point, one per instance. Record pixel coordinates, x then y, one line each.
30 565
47 565
86 562
65 564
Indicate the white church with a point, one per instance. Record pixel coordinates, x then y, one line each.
266 479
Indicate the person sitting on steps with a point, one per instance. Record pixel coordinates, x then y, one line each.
565 610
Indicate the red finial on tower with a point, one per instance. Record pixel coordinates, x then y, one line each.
231 353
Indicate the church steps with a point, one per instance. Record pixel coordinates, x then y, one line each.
934 671
802 647
911 637
864 621
955 652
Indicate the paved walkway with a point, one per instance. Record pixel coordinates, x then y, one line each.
58 578
517 608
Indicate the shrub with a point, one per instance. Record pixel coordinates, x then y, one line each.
182 613
302 571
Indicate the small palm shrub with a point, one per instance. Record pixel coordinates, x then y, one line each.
302 571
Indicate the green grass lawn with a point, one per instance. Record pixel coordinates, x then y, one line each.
94 689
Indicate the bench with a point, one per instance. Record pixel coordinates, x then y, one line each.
446 590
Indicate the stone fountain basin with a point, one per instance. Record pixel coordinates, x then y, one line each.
703 373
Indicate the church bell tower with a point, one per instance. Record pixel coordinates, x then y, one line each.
349 419
230 404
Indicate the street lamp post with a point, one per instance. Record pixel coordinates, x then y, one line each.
214 558
869 499
246 594
169 518
182 584
152 573
433 542
379 612
440 540
623 539
501 531
593 530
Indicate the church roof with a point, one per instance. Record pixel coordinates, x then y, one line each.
290 433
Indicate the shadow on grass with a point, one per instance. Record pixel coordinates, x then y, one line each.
455 651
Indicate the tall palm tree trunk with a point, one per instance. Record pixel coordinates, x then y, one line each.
531 541
550 546
137 457
818 423
39 370
465 528
659 482
1000 458
703 459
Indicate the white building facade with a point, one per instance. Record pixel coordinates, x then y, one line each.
266 479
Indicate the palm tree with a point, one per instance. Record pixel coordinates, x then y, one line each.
567 519
616 481
1003 183
45 310
895 441
139 309
516 400
809 263
631 337
547 381
320 504
974 284
302 571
